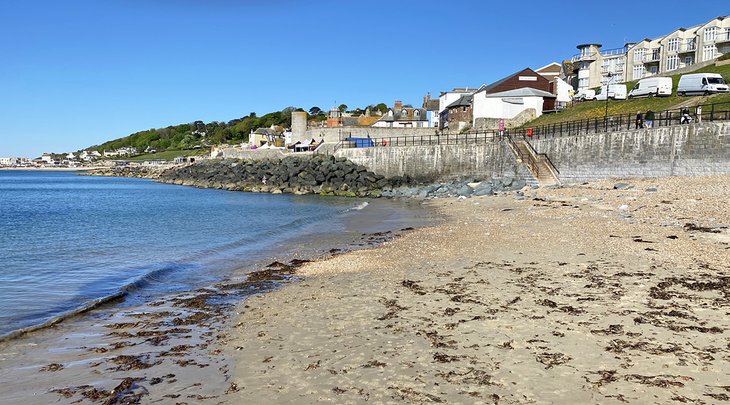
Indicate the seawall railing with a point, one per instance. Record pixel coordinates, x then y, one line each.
665 118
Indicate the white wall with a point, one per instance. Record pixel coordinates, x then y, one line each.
563 90
495 107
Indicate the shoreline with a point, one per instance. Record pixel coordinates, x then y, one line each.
609 292
147 342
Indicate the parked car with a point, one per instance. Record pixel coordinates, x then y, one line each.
652 86
701 83
584 94
614 92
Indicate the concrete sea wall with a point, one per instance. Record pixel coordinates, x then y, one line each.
440 162
686 150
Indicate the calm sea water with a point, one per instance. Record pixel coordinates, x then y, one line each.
67 241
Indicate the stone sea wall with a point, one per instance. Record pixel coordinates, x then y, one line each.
686 150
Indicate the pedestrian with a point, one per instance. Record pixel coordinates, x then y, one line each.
649 119
685 118
699 113
639 123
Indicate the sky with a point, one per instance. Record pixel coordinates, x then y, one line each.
77 73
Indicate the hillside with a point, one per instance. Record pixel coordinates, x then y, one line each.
597 109
197 134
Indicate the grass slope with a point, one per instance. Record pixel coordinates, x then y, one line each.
597 109
169 154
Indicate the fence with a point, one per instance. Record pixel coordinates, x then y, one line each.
700 113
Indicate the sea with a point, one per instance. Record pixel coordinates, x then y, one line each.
69 242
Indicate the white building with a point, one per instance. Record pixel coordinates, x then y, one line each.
676 50
403 117
509 104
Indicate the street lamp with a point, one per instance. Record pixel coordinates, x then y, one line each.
608 85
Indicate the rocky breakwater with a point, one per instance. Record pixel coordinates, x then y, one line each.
146 172
324 175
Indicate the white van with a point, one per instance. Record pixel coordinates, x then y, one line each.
585 94
701 83
615 92
652 86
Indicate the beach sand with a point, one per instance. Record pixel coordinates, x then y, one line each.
583 294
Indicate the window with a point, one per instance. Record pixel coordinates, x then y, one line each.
725 49
673 62
638 71
727 33
710 34
583 83
416 114
654 69
639 54
687 61
708 52
404 112
673 45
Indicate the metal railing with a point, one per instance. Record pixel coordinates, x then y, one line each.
622 122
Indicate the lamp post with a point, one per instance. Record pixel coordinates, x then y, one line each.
609 76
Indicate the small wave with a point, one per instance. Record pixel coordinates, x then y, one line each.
359 207
124 290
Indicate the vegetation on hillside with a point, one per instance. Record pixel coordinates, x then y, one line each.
597 109
184 139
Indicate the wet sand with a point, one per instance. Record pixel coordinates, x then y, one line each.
584 294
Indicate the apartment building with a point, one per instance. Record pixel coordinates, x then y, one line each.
681 48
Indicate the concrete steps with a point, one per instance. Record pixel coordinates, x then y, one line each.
537 163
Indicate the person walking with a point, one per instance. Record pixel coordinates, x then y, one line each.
639 123
649 119
685 118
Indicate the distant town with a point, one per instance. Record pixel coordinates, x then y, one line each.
509 102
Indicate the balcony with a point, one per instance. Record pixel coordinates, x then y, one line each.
652 58
613 69
687 47
723 37
584 57
614 52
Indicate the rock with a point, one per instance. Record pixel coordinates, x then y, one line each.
622 186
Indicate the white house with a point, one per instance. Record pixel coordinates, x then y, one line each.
509 104
403 117
516 99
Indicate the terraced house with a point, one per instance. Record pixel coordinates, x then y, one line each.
681 48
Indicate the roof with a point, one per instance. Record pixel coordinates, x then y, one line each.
522 92
432 105
463 101
549 67
408 116
492 87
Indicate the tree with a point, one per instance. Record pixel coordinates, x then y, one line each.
342 107
315 110
381 107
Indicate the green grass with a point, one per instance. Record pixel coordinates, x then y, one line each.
169 154
597 109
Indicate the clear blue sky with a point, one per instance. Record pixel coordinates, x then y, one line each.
78 73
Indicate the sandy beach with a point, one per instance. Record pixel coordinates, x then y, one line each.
598 293
609 292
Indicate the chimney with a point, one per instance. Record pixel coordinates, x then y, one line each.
398 105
